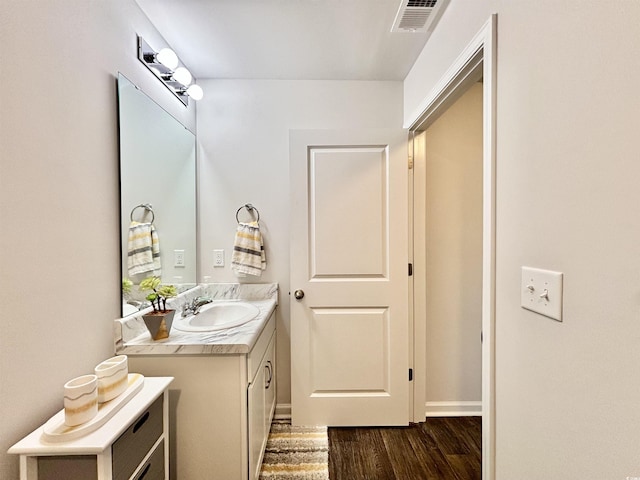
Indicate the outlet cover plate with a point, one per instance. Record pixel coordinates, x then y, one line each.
218 258
178 258
541 292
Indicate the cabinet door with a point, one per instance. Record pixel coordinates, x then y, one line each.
256 414
270 383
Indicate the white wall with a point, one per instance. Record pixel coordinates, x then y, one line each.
567 195
243 132
453 244
59 232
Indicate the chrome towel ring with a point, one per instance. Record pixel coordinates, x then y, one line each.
147 208
250 208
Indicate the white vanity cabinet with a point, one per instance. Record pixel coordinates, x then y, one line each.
221 408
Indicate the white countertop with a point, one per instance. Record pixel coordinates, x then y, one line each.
236 340
132 337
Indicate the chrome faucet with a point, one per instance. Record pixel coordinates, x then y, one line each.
193 307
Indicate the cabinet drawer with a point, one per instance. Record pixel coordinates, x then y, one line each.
131 447
254 359
153 468
69 467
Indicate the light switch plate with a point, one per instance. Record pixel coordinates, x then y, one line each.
541 292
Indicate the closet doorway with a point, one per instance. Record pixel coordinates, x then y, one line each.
454 209
448 276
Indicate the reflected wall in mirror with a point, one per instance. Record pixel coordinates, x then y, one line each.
157 168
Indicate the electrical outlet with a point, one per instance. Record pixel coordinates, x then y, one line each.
541 292
218 258
178 258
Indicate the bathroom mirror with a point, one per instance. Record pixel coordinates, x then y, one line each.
158 189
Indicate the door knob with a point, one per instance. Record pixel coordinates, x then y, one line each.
299 294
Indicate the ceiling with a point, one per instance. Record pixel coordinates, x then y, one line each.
287 39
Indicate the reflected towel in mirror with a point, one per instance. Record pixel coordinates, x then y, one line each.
248 250
143 249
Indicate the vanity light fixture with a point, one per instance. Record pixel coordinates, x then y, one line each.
182 76
195 92
165 65
166 57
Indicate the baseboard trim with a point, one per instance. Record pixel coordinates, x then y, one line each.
432 409
453 409
283 411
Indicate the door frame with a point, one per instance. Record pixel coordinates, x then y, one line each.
477 60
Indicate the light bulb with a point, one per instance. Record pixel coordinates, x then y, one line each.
183 76
168 58
195 92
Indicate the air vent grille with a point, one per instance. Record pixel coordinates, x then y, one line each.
422 3
418 16
414 20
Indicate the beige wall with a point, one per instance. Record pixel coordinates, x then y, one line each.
243 132
567 195
453 243
59 242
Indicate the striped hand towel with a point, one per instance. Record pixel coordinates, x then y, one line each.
248 250
143 249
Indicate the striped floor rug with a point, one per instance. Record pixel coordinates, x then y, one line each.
296 453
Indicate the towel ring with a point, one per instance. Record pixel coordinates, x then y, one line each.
147 207
250 208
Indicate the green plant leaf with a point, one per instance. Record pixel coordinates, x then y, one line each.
152 297
149 283
167 291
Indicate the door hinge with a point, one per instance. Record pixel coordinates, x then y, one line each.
410 163
410 269
411 374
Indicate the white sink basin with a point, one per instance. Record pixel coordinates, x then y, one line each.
217 316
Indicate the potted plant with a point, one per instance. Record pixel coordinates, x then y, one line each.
159 321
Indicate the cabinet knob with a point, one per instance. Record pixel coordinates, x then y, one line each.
299 294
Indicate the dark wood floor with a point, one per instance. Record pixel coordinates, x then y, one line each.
438 449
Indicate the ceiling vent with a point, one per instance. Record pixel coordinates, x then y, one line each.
418 16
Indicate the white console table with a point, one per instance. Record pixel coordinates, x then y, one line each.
131 445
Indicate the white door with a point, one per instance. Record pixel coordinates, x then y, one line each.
349 262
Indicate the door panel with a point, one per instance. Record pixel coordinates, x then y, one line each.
350 330
362 210
340 362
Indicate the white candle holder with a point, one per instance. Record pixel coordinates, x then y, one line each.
112 378
80 400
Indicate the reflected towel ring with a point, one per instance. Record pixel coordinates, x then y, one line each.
147 207
250 208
